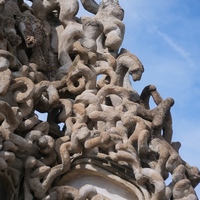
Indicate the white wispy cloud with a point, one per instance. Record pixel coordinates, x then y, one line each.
181 51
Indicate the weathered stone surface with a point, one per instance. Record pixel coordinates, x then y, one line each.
111 145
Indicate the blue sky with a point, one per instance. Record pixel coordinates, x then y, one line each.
165 35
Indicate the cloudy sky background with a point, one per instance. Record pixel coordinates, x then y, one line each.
165 35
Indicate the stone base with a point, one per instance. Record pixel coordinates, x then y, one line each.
111 180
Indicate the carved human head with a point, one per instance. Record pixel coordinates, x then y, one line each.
137 72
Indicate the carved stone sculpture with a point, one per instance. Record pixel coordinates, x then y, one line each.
100 136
